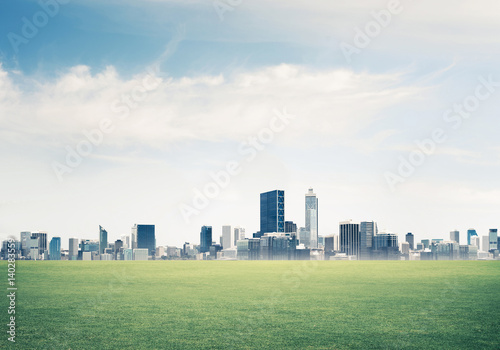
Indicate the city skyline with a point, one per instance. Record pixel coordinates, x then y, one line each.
397 126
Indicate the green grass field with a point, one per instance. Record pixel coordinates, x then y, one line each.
256 305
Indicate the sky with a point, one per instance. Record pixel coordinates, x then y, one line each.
180 113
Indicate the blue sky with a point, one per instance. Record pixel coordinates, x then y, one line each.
215 83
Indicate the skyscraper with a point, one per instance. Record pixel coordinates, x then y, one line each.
493 239
410 238
25 242
55 248
311 212
239 233
146 238
73 249
205 239
455 236
272 212
367 230
227 237
349 238
103 239
290 227
471 233
42 241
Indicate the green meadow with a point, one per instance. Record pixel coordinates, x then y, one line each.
255 305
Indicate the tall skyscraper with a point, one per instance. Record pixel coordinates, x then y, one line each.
55 248
367 230
239 233
410 238
146 238
133 237
25 242
312 218
455 236
103 239
471 233
272 212
73 249
349 238
42 240
485 243
205 239
227 237
493 239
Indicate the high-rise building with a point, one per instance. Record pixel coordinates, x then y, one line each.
133 237
367 230
471 233
455 236
290 227
73 249
103 239
426 243
493 239
385 246
227 237
126 241
272 212
146 238
239 233
311 211
475 241
410 238
42 240
304 237
118 246
34 248
205 239
485 243
349 238
55 248
25 242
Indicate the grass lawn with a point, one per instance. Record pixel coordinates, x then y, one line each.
255 305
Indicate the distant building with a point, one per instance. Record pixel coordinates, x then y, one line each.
349 238
55 248
103 239
367 230
311 211
485 243
290 227
42 241
117 248
471 233
227 237
304 237
385 246
73 249
405 250
146 238
25 242
205 239
426 243
410 238
141 253
128 254
87 256
493 235
272 212
455 236
239 233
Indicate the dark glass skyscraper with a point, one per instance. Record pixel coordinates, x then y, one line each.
205 239
470 233
410 238
349 238
55 248
42 241
367 230
103 239
146 238
272 212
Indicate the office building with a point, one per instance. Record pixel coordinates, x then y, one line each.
239 233
133 237
117 248
141 253
42 241
485 243
471 233
126 241
475 241
455 236
367 230
311 212
128 254
146 238
272 212
349 238
205 239
385 246
34 248
25 242
55 248
86 256
290 227
73 249
426 243
304 237
227 237
493 235
410 239
103 239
